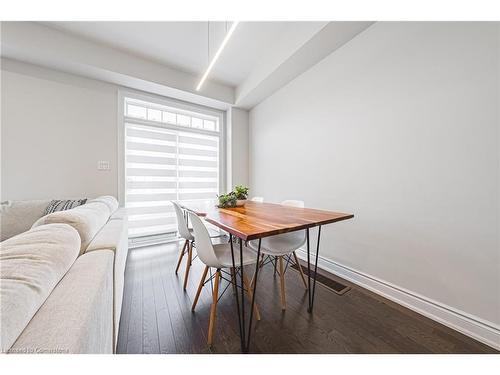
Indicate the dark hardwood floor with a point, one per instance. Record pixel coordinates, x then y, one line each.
157 318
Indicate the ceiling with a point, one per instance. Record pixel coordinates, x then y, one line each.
184 45
169 58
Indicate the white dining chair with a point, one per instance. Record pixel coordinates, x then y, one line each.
257 199
186 234
277 248
218 256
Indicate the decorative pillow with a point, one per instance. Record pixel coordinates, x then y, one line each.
62 205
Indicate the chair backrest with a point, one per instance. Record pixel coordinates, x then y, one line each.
257 199
182 227
204 247
299 237
293 203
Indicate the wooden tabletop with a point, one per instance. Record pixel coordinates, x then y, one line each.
257 220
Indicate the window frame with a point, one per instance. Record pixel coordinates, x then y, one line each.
169 102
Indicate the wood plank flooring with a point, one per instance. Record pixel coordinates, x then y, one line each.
157 318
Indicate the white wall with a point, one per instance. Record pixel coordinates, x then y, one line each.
55 128
237 146
400 126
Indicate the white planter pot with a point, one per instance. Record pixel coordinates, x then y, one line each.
240 202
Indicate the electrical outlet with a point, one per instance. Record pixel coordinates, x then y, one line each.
103 165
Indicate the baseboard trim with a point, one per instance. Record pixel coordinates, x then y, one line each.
472 326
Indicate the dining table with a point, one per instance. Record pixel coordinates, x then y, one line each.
254 221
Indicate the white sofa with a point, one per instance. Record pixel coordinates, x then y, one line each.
62 277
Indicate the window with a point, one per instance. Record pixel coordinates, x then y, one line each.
171 153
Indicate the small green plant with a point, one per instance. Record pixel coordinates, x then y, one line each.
227 200
241 192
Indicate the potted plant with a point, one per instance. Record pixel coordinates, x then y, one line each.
241 194
227 200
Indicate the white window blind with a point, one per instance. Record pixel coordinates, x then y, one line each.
170 154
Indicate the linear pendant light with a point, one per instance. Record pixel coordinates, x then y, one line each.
217 54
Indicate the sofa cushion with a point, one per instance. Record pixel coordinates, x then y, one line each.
109 201
109 237
87 219
78 315
113 236
18 216
32 264
119 214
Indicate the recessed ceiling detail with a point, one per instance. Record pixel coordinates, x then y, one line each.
217 54
183 45
170 58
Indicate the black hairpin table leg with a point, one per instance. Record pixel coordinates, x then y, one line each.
312 290
256 274
244 339
240 325
243 325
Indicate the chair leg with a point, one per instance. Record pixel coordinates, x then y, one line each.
300 270
200 287
282 282
247 286
183 251
213 308
261 264
262 261
188 263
